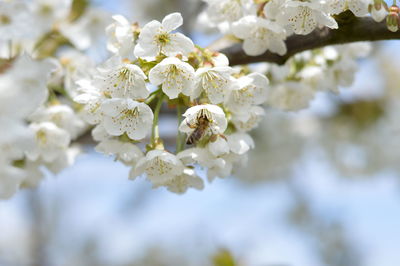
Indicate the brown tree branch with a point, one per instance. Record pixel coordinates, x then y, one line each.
351 29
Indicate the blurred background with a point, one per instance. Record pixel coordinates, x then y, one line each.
321 187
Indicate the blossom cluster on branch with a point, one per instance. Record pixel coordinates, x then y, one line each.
264 25
123 99
52 92
38 120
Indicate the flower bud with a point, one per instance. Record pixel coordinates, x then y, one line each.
378 4
393 19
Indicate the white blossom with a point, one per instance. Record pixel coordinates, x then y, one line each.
341 73
127 116
202 157
223 169
302 17
291 96
15 21
315 77
260 35
157 38
228 10
358 7
273 8
214 114
74 66
188 179
121 37
159 166
47 12
246 121
220 166
121 80
62 116
91 98
215 82
251 90
51 142
174 76
23 87
126 152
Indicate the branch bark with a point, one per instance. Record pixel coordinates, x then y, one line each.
351 29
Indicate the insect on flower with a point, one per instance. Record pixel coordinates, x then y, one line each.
200 127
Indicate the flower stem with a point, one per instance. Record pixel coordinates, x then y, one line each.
155 136
152 96
179 140
10 47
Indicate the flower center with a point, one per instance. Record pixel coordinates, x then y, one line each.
232 9
4 19
123 74
45 9
244 95
204 114
158 167
261 33
173 72
163 38
41 137
131 113
57 118
216 81
120 81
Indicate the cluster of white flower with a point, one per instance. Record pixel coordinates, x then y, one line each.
37 118
154 65
355 136
52 18
47 104
34 132
294 84
264 25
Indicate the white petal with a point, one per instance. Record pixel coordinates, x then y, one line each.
254 46
219 147
260 83
326 20
172 21
146 46
139 169
149 31
156 75
179 43
171 89
277 46
112 107
240 143
146 50
114 128
243 28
